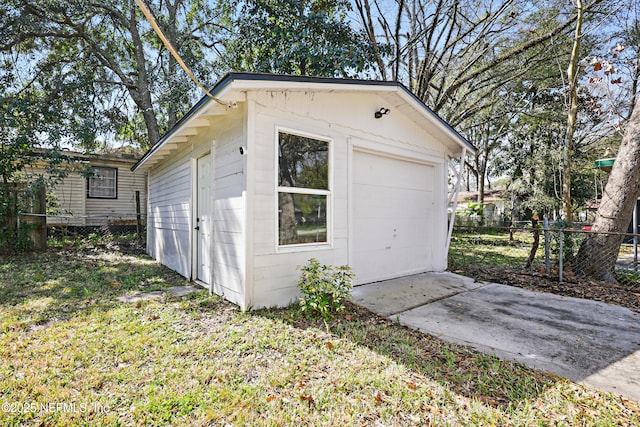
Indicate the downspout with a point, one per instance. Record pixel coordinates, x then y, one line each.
249 160
146 220
454 197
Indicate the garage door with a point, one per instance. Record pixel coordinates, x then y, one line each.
392 207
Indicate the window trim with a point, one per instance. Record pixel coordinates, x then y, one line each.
89 178
297 247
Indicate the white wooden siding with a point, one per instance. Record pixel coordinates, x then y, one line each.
343 118
70 196
168 224
170 230
229 251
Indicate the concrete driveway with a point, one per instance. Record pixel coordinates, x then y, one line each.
585 341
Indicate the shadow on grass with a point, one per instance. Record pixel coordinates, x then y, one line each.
36 288
498 383
56 285
244 359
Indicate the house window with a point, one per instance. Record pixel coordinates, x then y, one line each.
303 189
102 183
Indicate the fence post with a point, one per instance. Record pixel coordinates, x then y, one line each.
12 216
40 211
547 263
560 268
138 216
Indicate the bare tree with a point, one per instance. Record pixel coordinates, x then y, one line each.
452 52
461 56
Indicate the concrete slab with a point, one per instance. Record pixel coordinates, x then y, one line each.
176 291
146 296
180 291
585 341
397 295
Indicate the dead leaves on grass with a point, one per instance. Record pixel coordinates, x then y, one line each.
378 399
486 400
573 286
630 405
309 399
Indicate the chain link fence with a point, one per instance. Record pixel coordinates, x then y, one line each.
68 229
542 250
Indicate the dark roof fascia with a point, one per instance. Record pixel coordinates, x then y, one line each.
230 77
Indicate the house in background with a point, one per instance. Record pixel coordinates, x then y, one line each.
495 204
278 169
98 189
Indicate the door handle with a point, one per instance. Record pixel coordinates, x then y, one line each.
197 228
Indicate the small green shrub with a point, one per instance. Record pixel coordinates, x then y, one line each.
325 288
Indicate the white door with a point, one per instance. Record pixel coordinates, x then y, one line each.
392 217
204 220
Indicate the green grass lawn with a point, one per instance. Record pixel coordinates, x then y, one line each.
485 253
493 248
71 354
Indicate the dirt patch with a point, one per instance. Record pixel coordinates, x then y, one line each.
572 286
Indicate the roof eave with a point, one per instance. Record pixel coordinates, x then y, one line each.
217 91
256 81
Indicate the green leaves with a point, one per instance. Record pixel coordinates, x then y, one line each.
325 288
103 67
296 37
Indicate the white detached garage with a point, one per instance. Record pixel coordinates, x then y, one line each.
278 169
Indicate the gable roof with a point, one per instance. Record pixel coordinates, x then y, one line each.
261 81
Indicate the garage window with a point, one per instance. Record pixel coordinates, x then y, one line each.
102 183
303 189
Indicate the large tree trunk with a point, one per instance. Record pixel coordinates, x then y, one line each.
599 252
484 153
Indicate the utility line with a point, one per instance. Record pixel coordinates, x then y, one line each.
147 13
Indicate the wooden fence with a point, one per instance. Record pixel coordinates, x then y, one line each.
20 200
